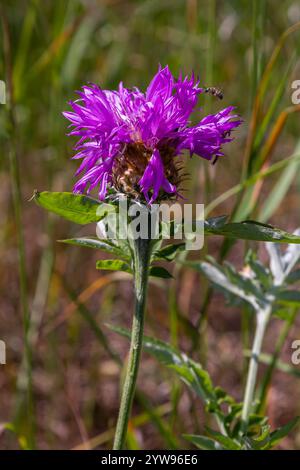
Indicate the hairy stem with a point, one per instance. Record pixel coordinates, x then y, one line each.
142 252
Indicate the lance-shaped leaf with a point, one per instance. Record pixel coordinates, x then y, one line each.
203 442
245 230
282 432
97 244
113 265
225 441
288 297
74 207
248 230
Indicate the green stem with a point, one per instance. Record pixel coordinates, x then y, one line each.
142 252
262 321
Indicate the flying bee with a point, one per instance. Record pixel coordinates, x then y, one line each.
214 91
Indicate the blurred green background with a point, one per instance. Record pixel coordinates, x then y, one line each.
57 313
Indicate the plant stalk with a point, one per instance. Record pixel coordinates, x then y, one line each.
142 253
262 321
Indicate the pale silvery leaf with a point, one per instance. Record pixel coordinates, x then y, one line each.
217 277
276 265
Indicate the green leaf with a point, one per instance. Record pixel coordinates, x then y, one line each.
282 311
197 379
159 271
203 442
113 265
262 274
248 284
294 276
282 432
215 223
189 371
169 252
95 243
74 207
165 353
260 441
289 297
248 230
226 441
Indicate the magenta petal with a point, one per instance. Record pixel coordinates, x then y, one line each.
154 178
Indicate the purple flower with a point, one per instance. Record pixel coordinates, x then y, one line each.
129 140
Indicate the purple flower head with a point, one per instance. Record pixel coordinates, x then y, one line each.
129 140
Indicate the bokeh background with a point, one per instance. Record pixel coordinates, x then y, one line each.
49 49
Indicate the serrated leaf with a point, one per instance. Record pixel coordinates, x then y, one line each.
113 265
247 283
74 207
159 271
188 370
197 379
164 352
203 442
218 277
